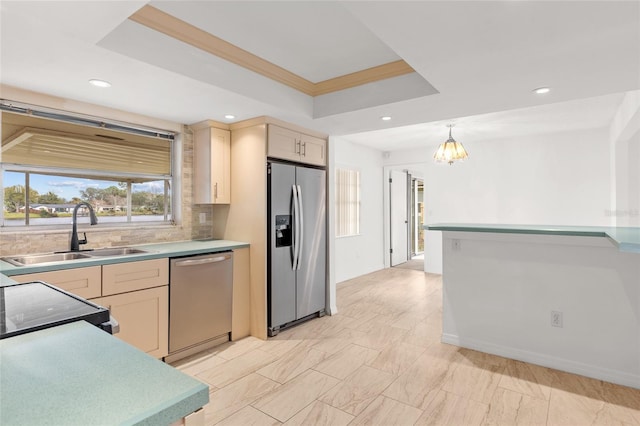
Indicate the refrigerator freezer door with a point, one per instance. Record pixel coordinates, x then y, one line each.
282 277
311 282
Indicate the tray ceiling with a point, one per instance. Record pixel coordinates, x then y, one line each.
470 58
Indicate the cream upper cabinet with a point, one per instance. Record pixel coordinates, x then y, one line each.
291 145
313 150
212 166
283 143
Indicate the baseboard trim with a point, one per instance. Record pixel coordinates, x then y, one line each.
595 372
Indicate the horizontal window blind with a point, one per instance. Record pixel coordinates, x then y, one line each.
38 147
347 202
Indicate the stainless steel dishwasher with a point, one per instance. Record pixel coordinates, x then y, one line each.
200 302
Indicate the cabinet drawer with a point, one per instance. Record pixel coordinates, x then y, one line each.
131 276
83 282
143 317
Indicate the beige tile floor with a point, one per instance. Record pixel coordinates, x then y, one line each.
380 362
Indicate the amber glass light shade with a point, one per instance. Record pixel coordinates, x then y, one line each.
450 151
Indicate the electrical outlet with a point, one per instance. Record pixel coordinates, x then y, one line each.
203 218
455 244
556 319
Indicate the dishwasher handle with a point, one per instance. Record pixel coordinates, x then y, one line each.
193 262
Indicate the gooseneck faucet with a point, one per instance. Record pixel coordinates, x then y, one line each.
75 243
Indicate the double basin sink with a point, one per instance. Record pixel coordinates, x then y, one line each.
37 259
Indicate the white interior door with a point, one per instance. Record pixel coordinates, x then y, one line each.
399 217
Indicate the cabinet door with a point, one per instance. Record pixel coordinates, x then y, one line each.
83 282
131 276
221 166
144 318
212 166
313 150
283 143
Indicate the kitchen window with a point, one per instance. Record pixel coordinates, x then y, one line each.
347 202
51 161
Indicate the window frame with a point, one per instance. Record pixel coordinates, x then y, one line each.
345 205
171 215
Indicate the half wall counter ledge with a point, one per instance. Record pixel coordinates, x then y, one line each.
564 297
625 238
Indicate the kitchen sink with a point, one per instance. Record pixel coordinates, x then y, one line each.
115 251
36 259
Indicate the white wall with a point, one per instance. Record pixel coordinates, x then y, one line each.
559 179
361 254
553 179
624 135
588 178
500 290
626 210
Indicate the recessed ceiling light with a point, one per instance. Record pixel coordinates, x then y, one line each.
385 118
99 83
229 116
542 90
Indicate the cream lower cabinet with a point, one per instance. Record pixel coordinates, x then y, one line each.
143 316
83 282
137 295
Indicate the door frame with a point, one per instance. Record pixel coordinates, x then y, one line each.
416 171
413 216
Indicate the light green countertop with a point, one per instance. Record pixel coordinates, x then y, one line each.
156 251
627 239
77 374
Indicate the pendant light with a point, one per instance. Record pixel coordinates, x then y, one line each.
450 150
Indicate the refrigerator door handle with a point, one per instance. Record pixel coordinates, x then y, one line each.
300 225
296 226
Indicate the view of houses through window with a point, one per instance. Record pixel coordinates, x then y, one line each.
52 199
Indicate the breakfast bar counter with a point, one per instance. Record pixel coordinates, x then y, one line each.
559 296
625 238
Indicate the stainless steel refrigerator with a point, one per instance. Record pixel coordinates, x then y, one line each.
296 259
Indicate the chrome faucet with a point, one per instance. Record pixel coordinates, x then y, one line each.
75 243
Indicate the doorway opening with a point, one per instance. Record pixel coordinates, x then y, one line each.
406 214
417 218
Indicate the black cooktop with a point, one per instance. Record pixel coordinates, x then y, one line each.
36 305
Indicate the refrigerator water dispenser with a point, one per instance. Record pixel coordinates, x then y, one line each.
283 230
